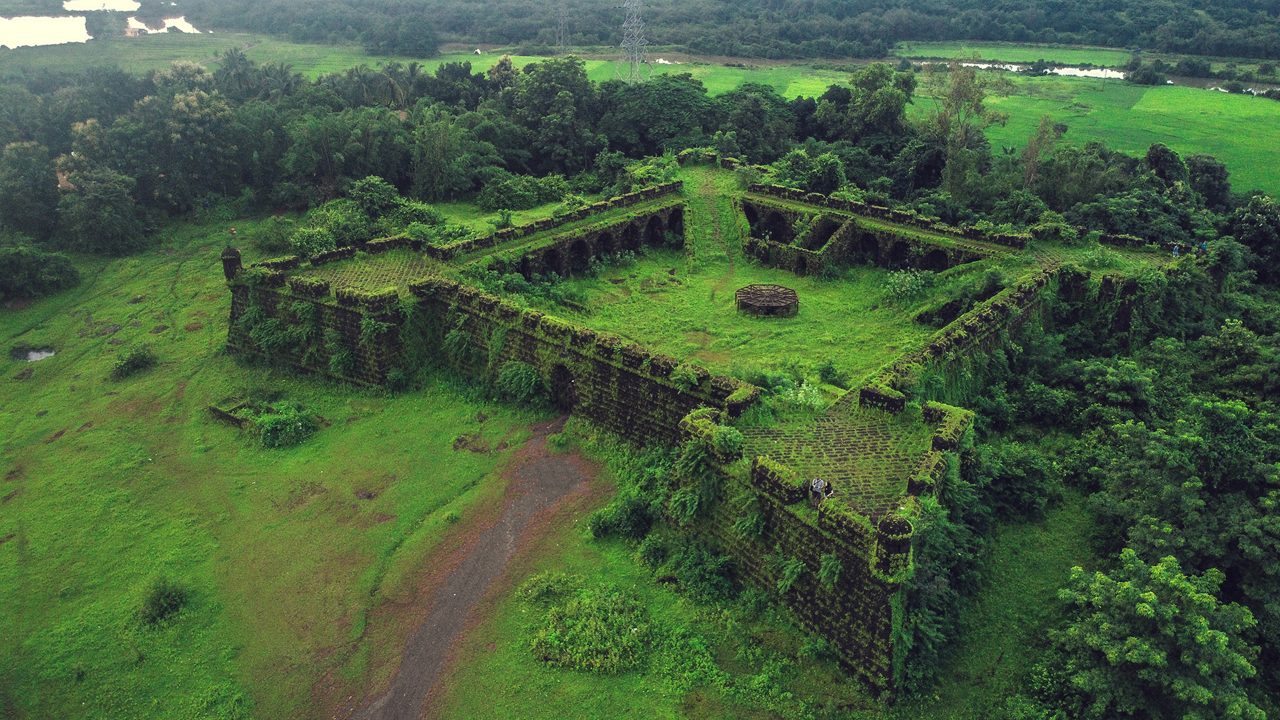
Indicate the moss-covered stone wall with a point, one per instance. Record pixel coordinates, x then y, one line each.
805 243
637 394
296 321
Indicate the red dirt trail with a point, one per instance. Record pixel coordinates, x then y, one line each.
538 483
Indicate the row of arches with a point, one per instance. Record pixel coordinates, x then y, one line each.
574 257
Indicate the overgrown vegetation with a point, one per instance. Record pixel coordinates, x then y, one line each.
133 361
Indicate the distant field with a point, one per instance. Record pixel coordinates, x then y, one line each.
1009 52
153 52
1242 131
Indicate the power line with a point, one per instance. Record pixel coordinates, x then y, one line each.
562 13
633 43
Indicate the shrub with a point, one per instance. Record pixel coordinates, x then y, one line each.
683 505
520 382
654 550
705 575
788 573
829 570
727 441
29 272
831 375
598 630
345 220
627 517
547 587
133 361
284 425
1151 640
163 600
275 236
311 241
685 376
374 196
907 284
520 192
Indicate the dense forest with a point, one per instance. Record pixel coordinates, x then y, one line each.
767 29
1173 437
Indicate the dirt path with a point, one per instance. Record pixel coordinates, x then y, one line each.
539 482
708 198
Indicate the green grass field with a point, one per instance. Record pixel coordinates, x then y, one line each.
1242 131
108 485
1013 53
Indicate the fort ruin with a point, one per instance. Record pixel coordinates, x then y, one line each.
840 487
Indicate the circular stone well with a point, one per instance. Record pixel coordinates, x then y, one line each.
768 300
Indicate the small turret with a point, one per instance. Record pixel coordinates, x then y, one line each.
231 262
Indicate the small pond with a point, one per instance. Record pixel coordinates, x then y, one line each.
18 32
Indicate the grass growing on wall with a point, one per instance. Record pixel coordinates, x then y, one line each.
108 486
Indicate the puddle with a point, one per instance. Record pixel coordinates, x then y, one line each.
1083 72
177 23
30 354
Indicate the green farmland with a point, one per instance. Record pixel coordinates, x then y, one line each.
1240 130
1013 53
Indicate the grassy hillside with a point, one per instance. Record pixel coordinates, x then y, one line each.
108 485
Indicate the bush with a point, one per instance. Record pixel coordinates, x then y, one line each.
907 284
374 196
598 630
520 192
311 241
705 575
344 219
547 587
284 425
727 441
133 361
1150 640
627 517
1021 481
520 382
29 272
831 375
163 600
275 236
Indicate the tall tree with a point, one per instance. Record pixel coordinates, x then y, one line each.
28 190
99 215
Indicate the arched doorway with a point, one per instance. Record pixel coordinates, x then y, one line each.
564 390
579 256
935 260
654 232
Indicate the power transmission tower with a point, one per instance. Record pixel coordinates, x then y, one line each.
633 43
562 13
